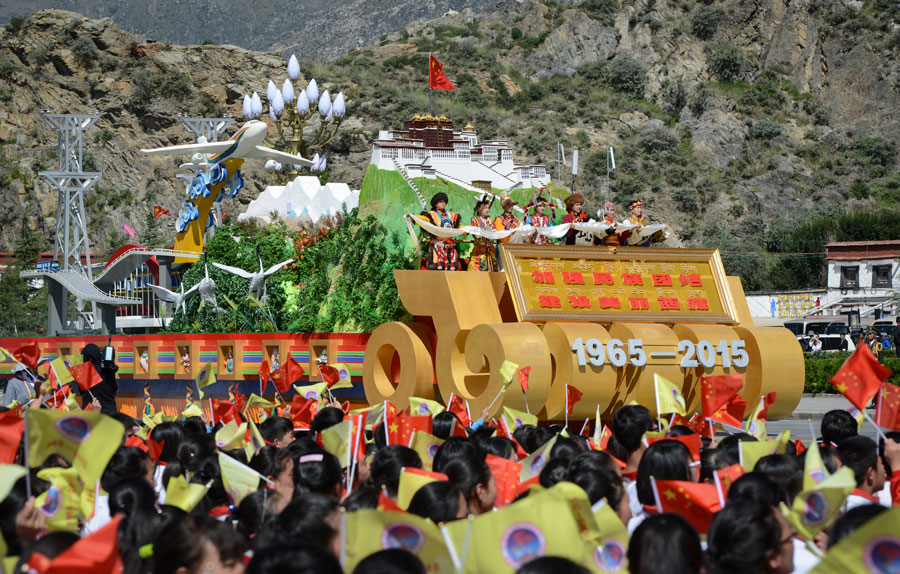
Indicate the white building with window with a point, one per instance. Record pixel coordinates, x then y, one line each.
862 276
428 147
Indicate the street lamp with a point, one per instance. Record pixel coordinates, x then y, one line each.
292 110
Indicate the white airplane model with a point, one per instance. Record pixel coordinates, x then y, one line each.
244 144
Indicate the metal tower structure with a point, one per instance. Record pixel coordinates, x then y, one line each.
71 246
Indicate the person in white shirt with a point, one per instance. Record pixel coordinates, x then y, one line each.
860 454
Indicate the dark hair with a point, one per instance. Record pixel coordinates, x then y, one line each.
538 438
663 460
891 435
828 454
500 446
522 434
552 565
306 517
783 469
253 512
194 449
208 471
680 430
50 545
554 471
364 497
390 561
466 474
135 498
759 487
127 421
172 434
193 426
437 198
742 535
599 483
386 465
711 460
273 428
837 425
327 417
565 448
319 472
264 461
859 454
179 541
9 508
664 544
731 444
847 523
593 459
629 425
437 500
442 424
293 558
125 462
302 446
613 448
453 448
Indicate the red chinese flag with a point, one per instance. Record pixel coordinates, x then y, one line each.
402 425
503 431
506 477
718 390
860 377
155 448
303 411
85 375
459 429
768 401
137 442
385 503
523 378
695 502
97 553
11 428
437 80
573 395
28 354
888 412
691 441
159 211
457 406
801 448
726 477
287 374
224 411
329 374
264 373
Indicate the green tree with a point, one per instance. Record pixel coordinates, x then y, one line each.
153 235
23 308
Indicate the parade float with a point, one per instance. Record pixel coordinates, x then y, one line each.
601 318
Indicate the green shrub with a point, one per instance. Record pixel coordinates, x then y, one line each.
85 52
687 198
821 367
8 69
766 129
658 144
887 189
16 23
705 21
593 70
859 190
628 186
626 74
674 98
700 100
875 153
516 33
724 62
602 10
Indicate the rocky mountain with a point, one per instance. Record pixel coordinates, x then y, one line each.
313 29
735 120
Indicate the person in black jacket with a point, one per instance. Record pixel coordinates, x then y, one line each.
104 392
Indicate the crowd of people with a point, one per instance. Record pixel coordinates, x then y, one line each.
295 521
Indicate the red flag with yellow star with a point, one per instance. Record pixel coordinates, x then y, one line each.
287 374
888 412
437 80
159 211
573 395
725 477
402 425
860 377
694 501
506 477
717 390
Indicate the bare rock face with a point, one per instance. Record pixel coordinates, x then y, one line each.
717 136
577 41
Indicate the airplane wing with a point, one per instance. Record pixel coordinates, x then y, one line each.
275 268
263 152
164 293
189 149
235 270
190 292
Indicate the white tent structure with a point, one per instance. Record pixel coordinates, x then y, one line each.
303 198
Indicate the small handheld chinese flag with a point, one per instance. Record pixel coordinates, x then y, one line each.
437 80
888 412
860 377
573 395
523 377
86 376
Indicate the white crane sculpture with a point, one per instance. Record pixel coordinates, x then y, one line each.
257 278
178 299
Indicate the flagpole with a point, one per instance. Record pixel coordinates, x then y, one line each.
429 83
881 434
27 457
567 407
584 425
387 436
525 398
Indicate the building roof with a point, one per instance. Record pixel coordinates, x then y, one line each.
857 250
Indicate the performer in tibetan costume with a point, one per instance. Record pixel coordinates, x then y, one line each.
575 214
484 254
538 219
442 254
506 220
612 237
638 218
